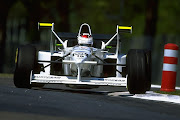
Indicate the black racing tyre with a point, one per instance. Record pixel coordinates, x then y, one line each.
25 63
149 68
137 71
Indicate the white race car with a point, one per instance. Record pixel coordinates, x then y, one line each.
82 65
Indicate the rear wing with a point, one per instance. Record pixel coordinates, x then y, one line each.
45 25
97 38
125 29
119 29
51 25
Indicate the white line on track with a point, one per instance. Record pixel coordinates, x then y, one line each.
158 86
150 95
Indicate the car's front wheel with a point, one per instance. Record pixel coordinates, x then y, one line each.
137 71
25 63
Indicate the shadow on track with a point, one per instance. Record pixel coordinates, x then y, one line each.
83 91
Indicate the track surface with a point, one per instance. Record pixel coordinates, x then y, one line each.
57 102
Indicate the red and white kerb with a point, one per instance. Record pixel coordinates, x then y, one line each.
169 67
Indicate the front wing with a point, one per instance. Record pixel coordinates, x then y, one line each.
110 81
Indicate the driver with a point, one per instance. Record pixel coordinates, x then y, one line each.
85 40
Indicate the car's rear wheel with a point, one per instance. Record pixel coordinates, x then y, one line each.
25 63
137 71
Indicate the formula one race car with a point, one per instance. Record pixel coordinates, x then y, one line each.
82 65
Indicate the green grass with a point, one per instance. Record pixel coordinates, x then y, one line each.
177 92
5 75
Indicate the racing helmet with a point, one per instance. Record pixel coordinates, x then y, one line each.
85 39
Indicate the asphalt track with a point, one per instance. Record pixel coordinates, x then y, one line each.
57 102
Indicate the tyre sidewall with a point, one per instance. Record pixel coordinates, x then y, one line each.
137 74
25 62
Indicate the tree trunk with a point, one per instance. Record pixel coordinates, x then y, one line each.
34 15
63 10
2 41
4 10
150 22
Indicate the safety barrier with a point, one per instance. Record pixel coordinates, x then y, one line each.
169 67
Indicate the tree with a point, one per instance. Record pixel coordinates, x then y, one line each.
151 21
63 7
4 9
34 15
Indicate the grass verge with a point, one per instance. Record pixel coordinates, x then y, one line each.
2 75
177 92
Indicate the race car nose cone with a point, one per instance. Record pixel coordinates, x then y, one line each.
79 58
79 61
80 54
